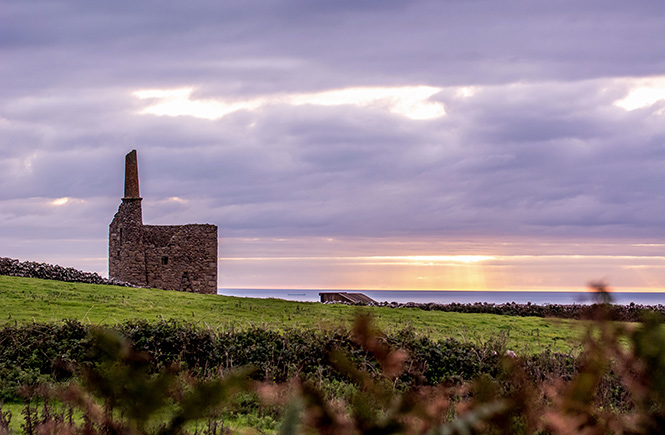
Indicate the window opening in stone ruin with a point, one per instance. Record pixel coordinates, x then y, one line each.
120 236
165 260
118 255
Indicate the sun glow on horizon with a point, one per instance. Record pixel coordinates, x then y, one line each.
439 258
547 266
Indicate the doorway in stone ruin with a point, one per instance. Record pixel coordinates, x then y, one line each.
185 283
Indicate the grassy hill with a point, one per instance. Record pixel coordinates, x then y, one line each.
25 300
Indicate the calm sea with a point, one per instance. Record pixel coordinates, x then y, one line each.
446 297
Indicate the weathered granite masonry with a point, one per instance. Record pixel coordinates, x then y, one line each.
171 257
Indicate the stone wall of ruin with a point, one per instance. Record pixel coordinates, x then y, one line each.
181 257
170 257
126 252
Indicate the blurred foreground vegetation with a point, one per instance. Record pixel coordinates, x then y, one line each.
170 377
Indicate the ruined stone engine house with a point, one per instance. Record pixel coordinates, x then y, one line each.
170 257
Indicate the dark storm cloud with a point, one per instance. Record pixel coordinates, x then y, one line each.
539 147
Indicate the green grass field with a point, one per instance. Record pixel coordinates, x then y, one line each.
25 300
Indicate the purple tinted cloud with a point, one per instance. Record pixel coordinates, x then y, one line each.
539 148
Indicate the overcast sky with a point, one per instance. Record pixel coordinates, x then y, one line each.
350 144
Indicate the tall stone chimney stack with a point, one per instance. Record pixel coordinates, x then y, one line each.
126 250
172 257
131 176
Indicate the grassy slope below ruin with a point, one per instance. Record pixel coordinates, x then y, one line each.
25 300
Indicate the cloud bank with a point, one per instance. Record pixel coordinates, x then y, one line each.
375 120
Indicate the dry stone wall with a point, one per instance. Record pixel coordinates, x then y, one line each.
31 269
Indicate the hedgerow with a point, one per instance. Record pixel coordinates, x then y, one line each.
622 313
39 353
52 353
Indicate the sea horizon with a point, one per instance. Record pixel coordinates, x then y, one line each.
455 296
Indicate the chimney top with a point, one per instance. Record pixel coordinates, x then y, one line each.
131 176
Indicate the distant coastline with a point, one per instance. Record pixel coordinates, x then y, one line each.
456 296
